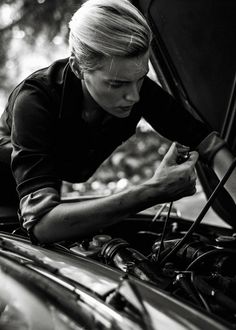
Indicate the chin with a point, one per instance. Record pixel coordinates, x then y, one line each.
123 115
119 114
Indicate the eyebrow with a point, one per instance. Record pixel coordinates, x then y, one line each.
125 81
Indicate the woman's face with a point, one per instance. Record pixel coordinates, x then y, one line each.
116 86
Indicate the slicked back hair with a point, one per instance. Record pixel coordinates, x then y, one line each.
106 28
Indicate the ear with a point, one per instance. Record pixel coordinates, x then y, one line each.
74 66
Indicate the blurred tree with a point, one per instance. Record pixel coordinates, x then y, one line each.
29 20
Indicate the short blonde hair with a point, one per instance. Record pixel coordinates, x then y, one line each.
105 28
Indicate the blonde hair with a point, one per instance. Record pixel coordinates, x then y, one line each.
105 28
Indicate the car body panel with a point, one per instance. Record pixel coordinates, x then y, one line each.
91 281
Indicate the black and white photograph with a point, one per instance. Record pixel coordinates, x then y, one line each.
117 164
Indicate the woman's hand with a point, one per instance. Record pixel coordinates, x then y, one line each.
173 179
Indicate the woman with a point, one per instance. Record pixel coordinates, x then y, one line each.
65 120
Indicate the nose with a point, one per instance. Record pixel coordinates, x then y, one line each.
132 93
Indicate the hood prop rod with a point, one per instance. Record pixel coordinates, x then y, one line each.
211 199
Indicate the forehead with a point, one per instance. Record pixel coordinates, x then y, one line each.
125 68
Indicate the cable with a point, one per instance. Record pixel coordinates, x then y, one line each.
158 213
207 254
202 213
185 280
164 232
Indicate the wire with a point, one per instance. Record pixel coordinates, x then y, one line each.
158 213
207 254
161 247
156 216
202 213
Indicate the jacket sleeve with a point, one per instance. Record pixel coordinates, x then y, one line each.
35 205
32 137
170 119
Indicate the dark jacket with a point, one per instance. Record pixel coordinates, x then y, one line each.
51 141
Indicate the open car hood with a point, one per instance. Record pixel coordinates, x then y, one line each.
193 54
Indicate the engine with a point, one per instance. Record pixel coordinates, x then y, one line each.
201 272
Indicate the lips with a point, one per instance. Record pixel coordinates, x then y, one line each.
126 108
129 107
124 111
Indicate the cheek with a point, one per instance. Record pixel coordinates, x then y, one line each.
140 83
108 94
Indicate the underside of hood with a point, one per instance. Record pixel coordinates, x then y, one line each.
193 54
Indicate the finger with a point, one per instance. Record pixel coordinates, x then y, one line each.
192 191
193 177
188 192
171 154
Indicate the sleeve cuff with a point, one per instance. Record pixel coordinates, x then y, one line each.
210 146
35 205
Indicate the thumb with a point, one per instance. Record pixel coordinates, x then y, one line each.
171 155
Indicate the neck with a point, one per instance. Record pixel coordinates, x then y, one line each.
92 112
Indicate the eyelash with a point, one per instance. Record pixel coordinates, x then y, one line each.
117 85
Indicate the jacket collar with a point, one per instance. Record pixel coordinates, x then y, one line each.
71 90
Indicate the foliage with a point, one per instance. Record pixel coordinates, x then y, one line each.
37 16
29 20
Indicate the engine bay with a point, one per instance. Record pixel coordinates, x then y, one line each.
201 272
